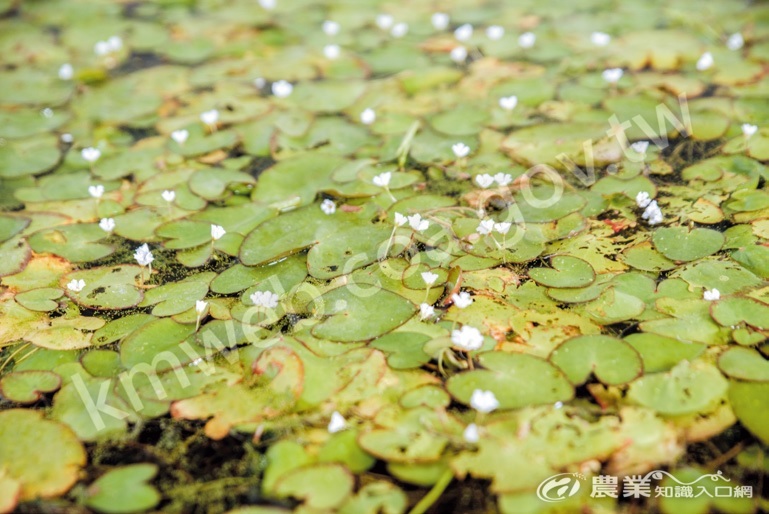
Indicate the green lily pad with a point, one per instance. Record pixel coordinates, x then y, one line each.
611 360
744 364
40 299
730 312
28 156
662 353
750 402
567 271
321 487
107 288
76 243
124 489
681 244
28 386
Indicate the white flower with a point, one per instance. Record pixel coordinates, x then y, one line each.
712 295
328 206
527 40
399 30
440 20
368 116
735 41
483 401
417 223
265 299
180 136
330 28
47 112
705 61
143 255
468 338
76 285
464 32
471 433
748 129
485 227
210 117
495 32
115 43
612 75
168 195
384 21
462 299
503 179
102 48
66 137
653 213
484 180
282 88
640 147
383 179
90 154
508 103
332 51
107 224
217 231
426 311
503 227
642 199
96 191
260 82
337 423
200 306
458 54
600 38
267 4
66 71
460 150
400 219
429 277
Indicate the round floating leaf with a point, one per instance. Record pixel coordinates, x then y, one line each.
744 364
300 176
322 487
682 244
346 250
567 271
76 243
611 360
113 287
328 95
11 225
124 490
750 402
725 276
289 233
661 353
28 386
686 389
343 448
733 311
16 253
517 380
643 256
28 156
44 456
40 299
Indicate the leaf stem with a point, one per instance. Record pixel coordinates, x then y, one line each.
432 496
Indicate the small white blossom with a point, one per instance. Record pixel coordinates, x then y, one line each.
748 129
330 28
600 38
210 117
495 32
460 150
368 116
47 112
642 199
332 52
384 21
429 277
735 41
66 138
711 295
612 75
101 48
107 224
90 154
260 82
653 213
468 338
400 219
440 20
527 40
705 61
426 311
458 54
337 423
265 299
200 306
484 180
508 103
383 179
66 71
168 195
267 4
471 433
463 32
115 43
217 231
143 255
462 299
640 147
558 405
503 227
328 206
76 285
399 30
417 223
180 136
485 227
484 401
282 88
503 179
96 191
